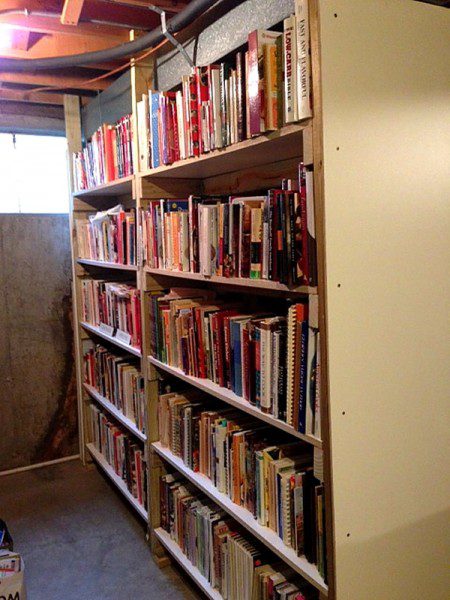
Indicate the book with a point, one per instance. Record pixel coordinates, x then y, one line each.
303 60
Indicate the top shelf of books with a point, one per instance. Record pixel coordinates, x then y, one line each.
289 142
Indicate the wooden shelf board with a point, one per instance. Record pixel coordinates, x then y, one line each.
174 550
245 518
112 188
115 412
118 482
264 149
254 284
231 398
106 265
110 338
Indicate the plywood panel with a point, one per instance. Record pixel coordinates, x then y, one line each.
385 75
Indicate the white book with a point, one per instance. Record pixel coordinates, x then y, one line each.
217 117
182 130
303 60
313 325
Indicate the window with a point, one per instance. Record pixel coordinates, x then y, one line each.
33 174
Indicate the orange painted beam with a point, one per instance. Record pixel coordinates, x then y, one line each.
71 12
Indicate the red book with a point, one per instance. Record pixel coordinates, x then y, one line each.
109 153
201 358
304 264
193 115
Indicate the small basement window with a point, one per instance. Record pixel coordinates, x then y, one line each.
33 174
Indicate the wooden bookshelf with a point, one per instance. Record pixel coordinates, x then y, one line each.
115 412
112 188
106 265
234 400
246 519
117 481
175 551
238 282
252 165
110 338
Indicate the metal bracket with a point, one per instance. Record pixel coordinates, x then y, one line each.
169 36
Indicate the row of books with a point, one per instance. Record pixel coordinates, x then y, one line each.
122 453
272 361
108 236
264 88
270 236
107 157
116 379
252 465
234 564
114 307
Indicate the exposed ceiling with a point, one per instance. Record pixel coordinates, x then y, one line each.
47 28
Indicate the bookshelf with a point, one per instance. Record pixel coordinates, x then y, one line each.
105 265
367 230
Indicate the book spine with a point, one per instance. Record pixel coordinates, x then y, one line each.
240 96
254 98
303 60
290 71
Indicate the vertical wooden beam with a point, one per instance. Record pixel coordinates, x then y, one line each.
72 116
319 209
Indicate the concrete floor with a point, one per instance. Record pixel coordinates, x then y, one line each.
80 540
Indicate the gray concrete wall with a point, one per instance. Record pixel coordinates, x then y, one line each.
38 419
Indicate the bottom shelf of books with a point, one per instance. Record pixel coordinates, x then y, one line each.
245 518
121 456
222 558
118 481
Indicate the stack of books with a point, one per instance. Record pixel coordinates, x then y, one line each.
272 361
122 453
238 567
252 465
114 307
270 236
107 157
262 89
108 236
117 380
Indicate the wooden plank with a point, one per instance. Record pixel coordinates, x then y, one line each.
44 24
111 188
319 209
53 78
33 97
71 12
171 6
110 338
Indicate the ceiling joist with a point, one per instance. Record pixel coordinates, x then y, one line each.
71 12
53 79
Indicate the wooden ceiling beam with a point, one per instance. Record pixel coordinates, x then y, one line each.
53 25
62 45
71 12
45 79
30 96
172 6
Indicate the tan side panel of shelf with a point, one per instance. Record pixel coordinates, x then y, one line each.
385 74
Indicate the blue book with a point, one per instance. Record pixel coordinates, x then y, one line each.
154 128
303 364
